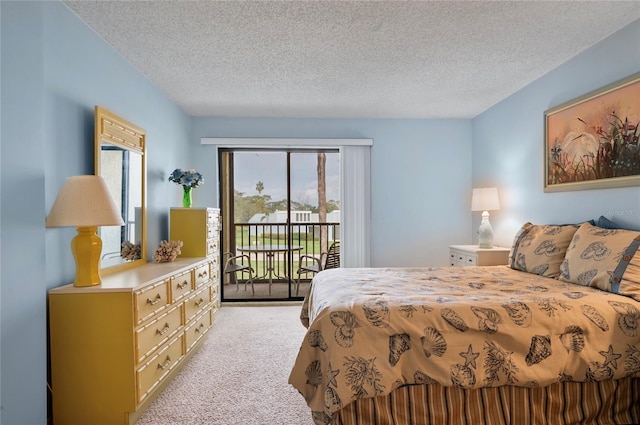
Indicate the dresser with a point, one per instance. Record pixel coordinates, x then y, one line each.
115 346
197 228
472 255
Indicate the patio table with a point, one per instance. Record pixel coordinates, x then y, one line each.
269 251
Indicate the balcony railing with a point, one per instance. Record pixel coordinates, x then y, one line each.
272 245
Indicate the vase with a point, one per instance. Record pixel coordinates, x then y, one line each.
186 196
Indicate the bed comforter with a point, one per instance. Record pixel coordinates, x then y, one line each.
371 331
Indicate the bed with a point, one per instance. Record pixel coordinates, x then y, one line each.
551 338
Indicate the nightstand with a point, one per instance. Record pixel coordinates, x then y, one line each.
472 255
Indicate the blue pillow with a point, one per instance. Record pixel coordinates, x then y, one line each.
605 223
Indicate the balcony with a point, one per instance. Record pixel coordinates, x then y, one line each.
274 250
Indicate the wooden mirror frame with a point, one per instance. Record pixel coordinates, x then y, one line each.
112 130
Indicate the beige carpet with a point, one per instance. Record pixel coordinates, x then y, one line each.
239 376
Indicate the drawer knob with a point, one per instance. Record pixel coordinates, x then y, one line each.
199 302
203 274
163 330
182 285
154 301
165 364
200 328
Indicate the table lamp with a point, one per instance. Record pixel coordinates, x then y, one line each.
85 202
485 199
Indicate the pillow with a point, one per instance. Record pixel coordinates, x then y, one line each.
540 249
607 259
605 223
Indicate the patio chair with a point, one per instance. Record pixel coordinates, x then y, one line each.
327 260
239 264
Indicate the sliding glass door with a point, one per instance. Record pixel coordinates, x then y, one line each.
280 210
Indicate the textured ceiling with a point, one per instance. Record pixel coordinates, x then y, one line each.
386 59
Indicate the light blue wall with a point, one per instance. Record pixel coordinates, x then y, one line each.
508 144
420 178
22 310
54 71
82 71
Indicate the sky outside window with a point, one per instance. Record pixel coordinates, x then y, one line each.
270 168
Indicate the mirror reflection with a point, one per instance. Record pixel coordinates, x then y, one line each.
120 169
120 160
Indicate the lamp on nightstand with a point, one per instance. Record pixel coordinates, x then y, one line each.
485 199
85 202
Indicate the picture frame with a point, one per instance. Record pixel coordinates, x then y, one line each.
592 142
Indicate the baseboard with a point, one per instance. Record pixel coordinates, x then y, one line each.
260 303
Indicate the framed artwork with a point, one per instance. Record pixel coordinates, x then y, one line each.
592 142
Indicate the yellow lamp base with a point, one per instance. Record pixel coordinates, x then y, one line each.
86 247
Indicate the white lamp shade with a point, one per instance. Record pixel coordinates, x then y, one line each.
485 199
84 201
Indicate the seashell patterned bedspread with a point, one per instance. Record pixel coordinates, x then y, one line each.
372 330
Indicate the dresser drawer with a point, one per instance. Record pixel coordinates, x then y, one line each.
158 331
152 372
215 305
150 300
473 255
203 274
212 217
215 266
214 288
212 247
181 285
211 231
467 260
197 330
196 303
461 259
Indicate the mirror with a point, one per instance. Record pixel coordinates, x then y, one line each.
120 158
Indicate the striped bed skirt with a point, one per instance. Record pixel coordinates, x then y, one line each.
563 403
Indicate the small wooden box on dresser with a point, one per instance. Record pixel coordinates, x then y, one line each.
115 347
472 255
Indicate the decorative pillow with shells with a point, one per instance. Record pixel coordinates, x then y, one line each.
608 259
540 249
